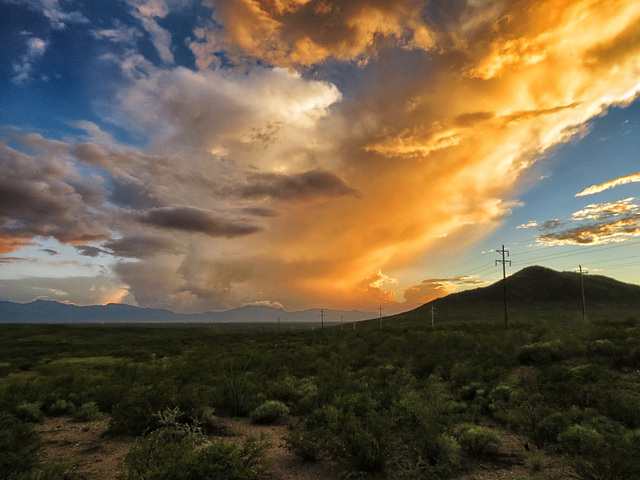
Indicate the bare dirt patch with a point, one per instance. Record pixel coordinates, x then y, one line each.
83 448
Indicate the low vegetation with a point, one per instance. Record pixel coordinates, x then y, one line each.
402 401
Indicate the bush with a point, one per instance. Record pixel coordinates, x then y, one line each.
30 412
269 412
19 445
307 444
61 407
602 449
538 354
479 440
88 412
152 458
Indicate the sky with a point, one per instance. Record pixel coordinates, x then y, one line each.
207 155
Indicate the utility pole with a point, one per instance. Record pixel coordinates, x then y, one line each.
322 319
584 304
380 308
433 313
278 324
504 281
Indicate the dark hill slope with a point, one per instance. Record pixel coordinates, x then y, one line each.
538 293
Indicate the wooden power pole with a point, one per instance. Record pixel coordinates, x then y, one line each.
584 303
504 281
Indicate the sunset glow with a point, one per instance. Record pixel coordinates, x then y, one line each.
205 155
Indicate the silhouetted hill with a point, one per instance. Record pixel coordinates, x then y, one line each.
537 292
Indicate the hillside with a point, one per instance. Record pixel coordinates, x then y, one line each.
537 292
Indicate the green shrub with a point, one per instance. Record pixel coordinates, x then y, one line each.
239 389
269 412
152 458
30 412
361 432
479 440
602 449
136 412
538 354
309 445
19 445
61 407
87 412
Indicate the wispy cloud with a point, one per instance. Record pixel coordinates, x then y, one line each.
634 178
23 70
433 288
53 11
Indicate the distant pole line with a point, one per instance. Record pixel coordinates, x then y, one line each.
504 281
380 308
322 319
584 303
433 313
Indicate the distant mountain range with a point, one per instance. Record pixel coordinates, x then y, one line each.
533 292
44 311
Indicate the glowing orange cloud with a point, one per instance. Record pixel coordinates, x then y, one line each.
607 185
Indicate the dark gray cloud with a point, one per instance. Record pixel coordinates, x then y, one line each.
260 212
41 196
312 185
194 220
141 246
130 194
89 251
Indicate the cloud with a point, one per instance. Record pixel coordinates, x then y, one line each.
40 197
596 233
194 220
320 144
84 290
138 246
294 188
53 11
528 225
430 289
303 33
634 178
596 224
90 251
119 34
599 211
23 70
230 112
148 12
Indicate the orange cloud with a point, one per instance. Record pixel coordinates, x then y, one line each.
306 32
634 178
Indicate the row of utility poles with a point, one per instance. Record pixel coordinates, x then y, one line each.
504 253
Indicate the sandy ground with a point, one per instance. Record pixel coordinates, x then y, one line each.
84 449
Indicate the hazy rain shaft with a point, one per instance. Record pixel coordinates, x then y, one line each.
318 150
